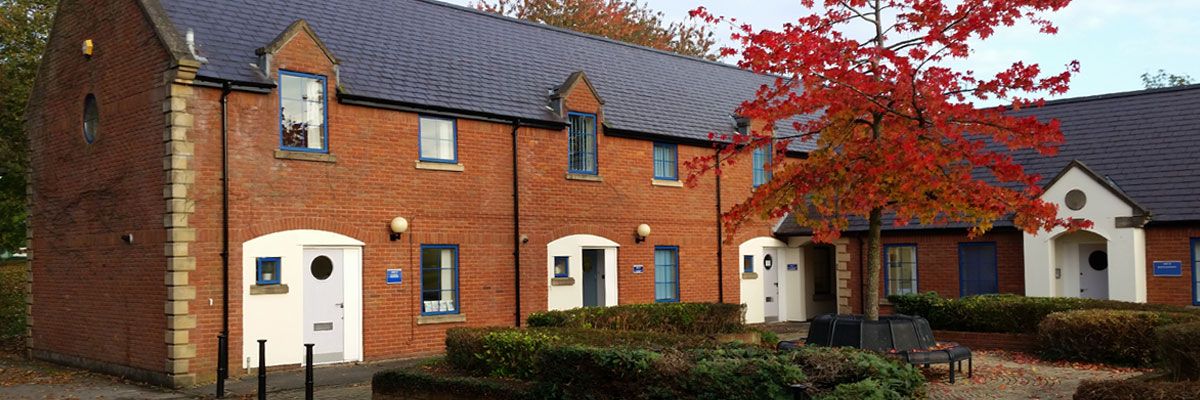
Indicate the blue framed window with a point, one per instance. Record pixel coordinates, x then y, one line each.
439 279
900 269
760 157
581 144
302 112
1196 271
267 271
562 266
748 264
666 274
439 139
977 269
666 161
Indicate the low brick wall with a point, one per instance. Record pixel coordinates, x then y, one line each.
1019 342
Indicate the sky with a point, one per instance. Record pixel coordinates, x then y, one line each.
1115 41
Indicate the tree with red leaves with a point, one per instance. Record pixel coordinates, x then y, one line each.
895 132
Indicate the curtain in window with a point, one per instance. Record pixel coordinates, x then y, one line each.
666 275
665 158
302 113
439 286
437 139
760 157
581 144
901 266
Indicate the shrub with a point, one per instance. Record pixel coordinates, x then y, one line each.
1179 350
830 368
1112 336
1005 312
1137 390
683 318
576 371
405 383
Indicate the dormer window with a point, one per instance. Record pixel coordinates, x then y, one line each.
581 144
761 157
302 112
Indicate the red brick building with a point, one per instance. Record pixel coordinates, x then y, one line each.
366 176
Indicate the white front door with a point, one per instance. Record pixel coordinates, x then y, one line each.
324 304
1093 270
770 268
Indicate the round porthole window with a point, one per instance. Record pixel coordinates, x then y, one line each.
1076 199
91 118
321 268
1098 260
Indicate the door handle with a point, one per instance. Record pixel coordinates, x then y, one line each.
340 305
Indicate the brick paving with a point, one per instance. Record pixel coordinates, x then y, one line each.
1000 375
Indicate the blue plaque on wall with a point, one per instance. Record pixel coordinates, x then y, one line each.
637 269
394 276
1168 268
793 267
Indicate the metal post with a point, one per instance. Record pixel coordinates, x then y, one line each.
262 369
222 364
308 371
800 391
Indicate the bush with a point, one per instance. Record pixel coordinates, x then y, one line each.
683 318
1179 350
411 383
828 369
1005 313
1137 390
1110 336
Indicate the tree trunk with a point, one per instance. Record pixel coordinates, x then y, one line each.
873 264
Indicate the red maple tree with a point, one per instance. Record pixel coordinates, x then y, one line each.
894 130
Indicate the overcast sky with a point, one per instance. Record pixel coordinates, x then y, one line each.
1115 41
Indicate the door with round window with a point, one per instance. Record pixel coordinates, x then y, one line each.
1093 270
324 304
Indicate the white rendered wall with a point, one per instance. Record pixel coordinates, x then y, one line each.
279 318
791 283
568 297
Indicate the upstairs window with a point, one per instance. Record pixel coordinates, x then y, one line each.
581 144
439 279
302 112
439 140
900 269
666 274
666 161
761 156
1196 271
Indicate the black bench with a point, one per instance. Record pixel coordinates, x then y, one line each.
952 355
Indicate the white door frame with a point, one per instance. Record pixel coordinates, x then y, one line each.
568 296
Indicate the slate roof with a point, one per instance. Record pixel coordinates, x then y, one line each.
1146 143
428 53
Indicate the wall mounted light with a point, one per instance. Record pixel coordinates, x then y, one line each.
87 48
399 226
643 230
127 238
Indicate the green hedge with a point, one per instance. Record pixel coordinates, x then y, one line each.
1005 312
1137 390
1179 350
420 384
842 373
1109 336
682 318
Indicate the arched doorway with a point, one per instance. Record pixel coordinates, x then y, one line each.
582 272
1083 265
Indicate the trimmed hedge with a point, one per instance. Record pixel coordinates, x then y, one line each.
419 384
1179 350
1005 313
1108 336
1137 390
682 318
842 373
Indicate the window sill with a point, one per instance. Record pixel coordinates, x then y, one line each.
749 275
268 289
305 156
441 319
562 281
584 177
666 183
438 166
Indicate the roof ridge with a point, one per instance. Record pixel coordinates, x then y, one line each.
1117 95
585 35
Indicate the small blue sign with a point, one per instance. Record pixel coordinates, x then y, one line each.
395 276
793 267
1168 268
637 269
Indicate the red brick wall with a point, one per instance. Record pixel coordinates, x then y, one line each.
94 296
937 261
374 180
1170 244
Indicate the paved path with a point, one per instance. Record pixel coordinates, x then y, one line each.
1001 375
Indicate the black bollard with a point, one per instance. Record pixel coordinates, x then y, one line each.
222 364
308 373
262 369
800 391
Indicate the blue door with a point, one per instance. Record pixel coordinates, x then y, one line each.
977 269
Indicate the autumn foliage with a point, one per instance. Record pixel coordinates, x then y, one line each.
895 130
623 20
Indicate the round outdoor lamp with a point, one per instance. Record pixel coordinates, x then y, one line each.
643 230
399 226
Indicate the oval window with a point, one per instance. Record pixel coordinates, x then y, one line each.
1098 260
91 118
321 268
